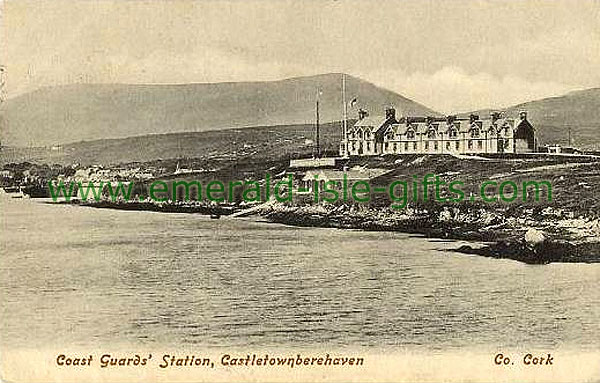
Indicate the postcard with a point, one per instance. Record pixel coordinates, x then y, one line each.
299 191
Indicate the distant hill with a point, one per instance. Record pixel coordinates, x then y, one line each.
552 117
248 144
63 114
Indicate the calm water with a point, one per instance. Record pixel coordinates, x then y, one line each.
90 277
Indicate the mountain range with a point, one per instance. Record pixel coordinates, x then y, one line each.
63 114
101 113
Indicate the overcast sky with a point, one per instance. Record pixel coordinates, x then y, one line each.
451 56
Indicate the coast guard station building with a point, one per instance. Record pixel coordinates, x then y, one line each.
437 135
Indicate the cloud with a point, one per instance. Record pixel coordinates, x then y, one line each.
452 89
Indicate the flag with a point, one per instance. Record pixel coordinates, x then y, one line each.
353 102
319 94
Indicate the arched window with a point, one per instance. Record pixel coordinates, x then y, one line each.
410 134
359 134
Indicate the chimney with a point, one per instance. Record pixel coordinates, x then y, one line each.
390 113
473 118
362 114
523 115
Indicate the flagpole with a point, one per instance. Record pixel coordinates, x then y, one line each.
344 113
318 147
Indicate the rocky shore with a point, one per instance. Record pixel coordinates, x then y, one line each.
538 235
534 236
166 207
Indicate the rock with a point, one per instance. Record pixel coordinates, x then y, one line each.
534 236
445 215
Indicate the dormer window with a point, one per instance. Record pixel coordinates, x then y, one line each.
453 133
431 134
475 132
410 135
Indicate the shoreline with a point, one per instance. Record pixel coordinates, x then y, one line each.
203 209
531 241
507 234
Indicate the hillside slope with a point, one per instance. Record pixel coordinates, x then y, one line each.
256 144
73 113
552 117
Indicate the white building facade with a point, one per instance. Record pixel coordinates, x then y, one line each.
435 135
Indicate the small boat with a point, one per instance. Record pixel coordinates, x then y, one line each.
14 192
215 216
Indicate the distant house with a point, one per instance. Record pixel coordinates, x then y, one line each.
336 178
559 149
435 135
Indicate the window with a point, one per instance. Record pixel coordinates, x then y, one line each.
448 145
410 135
406 146
470 144
431 134
395 147
480 144
435 145
354 146
414 145
457 145
426 145
475 132
387 145
453 133
368 146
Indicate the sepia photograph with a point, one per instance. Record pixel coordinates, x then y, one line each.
299 191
